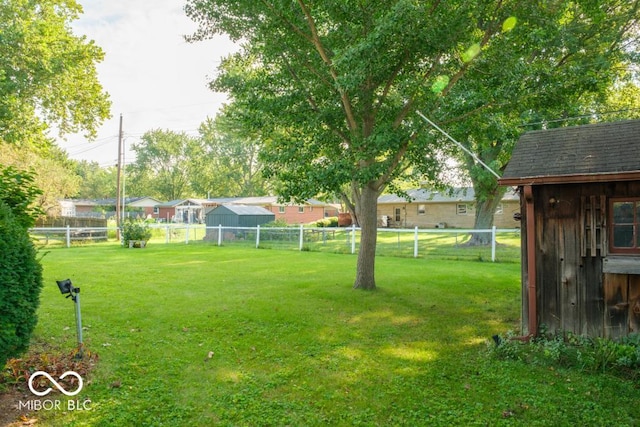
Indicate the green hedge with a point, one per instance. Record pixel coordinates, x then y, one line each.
20 285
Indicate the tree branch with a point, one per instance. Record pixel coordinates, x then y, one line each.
315 39
311 100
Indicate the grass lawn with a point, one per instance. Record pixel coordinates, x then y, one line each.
199 335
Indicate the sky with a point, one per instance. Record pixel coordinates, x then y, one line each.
154 78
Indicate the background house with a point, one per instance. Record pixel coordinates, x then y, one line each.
291 213
187 211
435 209
136 207
144 206
580 197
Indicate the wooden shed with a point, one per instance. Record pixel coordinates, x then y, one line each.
580 211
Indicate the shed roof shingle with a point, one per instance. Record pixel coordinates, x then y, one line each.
577 151
243 210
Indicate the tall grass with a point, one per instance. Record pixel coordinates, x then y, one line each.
199 335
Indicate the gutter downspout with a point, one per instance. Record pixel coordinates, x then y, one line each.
531 262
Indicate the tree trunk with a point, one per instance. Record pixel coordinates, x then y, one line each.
485 209
367 214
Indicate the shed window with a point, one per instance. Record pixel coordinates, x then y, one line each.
422 209
461 209
625 226
281 209
300 209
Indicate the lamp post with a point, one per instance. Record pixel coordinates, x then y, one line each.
66 287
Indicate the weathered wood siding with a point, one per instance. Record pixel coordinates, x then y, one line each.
572 291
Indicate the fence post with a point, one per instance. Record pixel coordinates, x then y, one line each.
68 236
415 243
353 239
301 236
186 235
219 234
493 244
167 234
258 237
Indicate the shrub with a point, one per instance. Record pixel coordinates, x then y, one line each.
20 285
327 222
18 192
278 223
135 230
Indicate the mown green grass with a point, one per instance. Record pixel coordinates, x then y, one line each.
291 343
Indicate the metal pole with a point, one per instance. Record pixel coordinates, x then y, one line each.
415 244
76 300
118 222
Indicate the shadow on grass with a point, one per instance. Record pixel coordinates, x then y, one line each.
201 335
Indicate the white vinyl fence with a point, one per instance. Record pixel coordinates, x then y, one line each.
439 243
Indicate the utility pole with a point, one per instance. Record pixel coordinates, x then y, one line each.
118 180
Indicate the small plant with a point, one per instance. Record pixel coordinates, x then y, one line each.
574 351
135 230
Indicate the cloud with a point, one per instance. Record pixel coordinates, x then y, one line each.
154 77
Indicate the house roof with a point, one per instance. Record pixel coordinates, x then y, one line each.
259 200
421 195
175 203
143 201
242 210
105 202
590 153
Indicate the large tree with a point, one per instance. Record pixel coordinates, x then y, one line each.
539 75
52 173
335 84
230 165
48 78
95 182
164 165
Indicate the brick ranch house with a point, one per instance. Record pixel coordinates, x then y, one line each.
310 211
434 209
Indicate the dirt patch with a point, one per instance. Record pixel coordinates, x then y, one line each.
10 413
17 406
